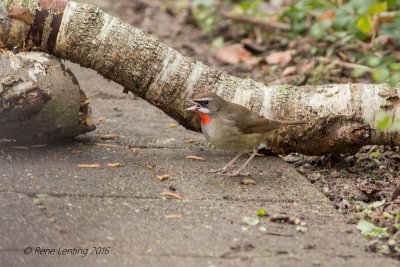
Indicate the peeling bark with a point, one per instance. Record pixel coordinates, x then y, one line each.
40 100
339 117
20 99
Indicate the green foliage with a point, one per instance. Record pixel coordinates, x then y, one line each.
262 212
386 123
369 230
347 21
205 14
331 23
249 8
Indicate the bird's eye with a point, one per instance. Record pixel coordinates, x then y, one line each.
205 102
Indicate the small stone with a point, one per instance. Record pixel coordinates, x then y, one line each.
334 174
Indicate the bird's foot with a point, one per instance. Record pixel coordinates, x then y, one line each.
218 171
235 174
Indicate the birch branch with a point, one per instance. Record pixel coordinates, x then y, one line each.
336 114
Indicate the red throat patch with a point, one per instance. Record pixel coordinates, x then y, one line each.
205 118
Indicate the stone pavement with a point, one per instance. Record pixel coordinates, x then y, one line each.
47 202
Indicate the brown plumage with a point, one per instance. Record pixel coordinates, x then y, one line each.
231 126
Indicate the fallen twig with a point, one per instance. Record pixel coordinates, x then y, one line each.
163 177
115 165
195 158
107 136
171 195
260 22
285 219
344 64
90 166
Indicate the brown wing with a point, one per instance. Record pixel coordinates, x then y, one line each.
250 122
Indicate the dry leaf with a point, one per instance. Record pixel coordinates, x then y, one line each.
308 67
163 177
289 71
279 58
115 165
235 54
102 120
148 166
107 136
171 195
90 166
173 216
285 219
195 158
247 182
190 141
134 149
173 125
328 15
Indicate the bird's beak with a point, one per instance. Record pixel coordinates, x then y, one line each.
195 107
192 108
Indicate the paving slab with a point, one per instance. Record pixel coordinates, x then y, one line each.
48 202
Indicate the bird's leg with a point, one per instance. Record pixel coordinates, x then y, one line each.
225 168
237 172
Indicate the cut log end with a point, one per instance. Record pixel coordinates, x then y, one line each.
40 100
20 99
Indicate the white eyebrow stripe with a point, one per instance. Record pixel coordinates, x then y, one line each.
202 99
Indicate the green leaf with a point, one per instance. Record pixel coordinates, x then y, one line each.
356 73
42 196
394 66
377 8
218 42
384 249
262 229
317 31
301 229
251 221
262 212
383 123
314 50
364 24
365 227
375 154
377 204
394 80
361 204
387 215
380 75
374 62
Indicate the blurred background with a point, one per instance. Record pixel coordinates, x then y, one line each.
279 41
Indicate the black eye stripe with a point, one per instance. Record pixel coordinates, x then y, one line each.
202 102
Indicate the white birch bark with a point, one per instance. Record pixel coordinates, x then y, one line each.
340 118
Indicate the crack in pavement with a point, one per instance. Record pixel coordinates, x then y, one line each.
93 196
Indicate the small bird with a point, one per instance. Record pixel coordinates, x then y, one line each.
231 126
